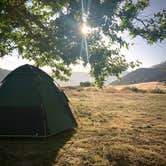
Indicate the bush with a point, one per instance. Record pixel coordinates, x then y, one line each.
157 90
137 90
85 84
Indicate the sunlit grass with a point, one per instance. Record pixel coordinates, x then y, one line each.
122 128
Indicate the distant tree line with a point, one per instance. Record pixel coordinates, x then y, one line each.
86 84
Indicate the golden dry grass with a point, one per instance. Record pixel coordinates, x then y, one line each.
116 128
145 86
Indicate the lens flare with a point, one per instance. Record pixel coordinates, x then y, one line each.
85 29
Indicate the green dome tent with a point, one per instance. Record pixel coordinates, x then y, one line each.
31 105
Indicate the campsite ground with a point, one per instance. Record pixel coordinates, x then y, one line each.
117 128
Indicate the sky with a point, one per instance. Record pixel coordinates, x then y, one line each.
149 55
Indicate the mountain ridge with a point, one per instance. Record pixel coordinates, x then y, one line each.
154 73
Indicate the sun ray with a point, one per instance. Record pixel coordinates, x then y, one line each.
88 8
82 8
85 29
81 47
86 49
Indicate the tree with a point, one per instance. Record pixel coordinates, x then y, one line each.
49 33
85 84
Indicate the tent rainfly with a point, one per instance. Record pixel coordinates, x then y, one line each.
31 105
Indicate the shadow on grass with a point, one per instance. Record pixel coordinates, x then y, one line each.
32 152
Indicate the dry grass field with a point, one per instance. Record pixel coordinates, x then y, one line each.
115 129
148 86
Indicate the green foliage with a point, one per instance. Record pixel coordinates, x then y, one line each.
25 27
48 33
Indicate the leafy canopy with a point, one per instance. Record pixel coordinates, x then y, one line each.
49 33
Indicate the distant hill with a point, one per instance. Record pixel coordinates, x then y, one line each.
3 73
155 73
78 77
74 80
161 66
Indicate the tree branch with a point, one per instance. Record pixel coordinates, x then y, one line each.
138 19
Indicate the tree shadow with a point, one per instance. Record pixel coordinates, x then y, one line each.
32 152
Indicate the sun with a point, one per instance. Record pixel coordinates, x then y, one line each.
85 29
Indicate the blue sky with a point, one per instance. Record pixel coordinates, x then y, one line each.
147 54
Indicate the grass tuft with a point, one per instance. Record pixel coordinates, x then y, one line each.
157 90
136 90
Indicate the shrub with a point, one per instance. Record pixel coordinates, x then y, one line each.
85 84
137 90
157 90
